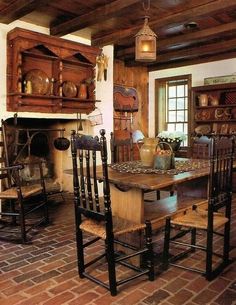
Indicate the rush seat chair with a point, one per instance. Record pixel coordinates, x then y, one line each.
93 216
23 207
213 218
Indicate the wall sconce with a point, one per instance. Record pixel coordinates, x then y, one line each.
145 41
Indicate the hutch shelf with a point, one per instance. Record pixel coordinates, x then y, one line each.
49 74
214 108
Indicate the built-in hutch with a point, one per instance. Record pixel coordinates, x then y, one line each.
49 74
214 108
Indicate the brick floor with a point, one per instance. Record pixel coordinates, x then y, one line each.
45 272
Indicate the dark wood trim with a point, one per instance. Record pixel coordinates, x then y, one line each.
20 8
180 17
187 38
163 80
91 18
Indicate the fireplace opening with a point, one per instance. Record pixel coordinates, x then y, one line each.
31 139
39 145
34 147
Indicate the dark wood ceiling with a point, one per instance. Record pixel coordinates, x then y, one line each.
116 22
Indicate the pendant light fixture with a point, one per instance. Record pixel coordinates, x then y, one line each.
145 40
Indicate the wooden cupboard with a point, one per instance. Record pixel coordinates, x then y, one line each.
214 108
49 74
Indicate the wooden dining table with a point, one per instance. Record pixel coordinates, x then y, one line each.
128 188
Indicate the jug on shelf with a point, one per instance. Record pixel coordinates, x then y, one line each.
82 91
147 150
214 101
203 100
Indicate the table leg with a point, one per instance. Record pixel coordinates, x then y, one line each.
128 204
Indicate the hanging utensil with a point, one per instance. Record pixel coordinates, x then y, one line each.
79 122
61 143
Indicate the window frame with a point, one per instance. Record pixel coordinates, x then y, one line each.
160 102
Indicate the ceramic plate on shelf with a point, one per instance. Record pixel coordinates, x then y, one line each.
202 115
197 115
205 115
39 81
219 113
69 89
203 129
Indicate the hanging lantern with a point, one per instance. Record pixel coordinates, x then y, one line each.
145 43
145 40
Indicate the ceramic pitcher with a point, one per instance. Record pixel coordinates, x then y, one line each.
203 100
82 91
147 150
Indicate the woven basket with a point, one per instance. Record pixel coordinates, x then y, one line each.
164 162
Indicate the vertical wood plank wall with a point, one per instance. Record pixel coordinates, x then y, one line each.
136 77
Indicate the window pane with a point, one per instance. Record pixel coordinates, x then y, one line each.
180 90
186 115
180 103
171 127
186 128
179 127
172 116
186 102
180 116
172 91
172 103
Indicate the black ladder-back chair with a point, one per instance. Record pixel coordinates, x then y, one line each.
201 147
23 206
121 144
93 214
214 219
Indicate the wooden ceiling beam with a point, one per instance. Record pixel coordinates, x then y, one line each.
181 63
197 52
20 8
180 17
184 39
207 49
107 11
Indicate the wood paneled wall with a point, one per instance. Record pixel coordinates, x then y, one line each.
136 77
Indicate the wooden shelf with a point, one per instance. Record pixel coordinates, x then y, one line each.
52 97
220 92
60 60
37 55
215 121
215 87
74 62
218 106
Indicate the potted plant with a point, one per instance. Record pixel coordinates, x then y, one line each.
174 138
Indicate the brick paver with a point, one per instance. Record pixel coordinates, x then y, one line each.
45 272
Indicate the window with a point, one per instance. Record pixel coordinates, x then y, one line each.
173 104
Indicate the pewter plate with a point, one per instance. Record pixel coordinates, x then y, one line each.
39 81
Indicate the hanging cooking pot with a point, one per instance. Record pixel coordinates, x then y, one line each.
61 143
